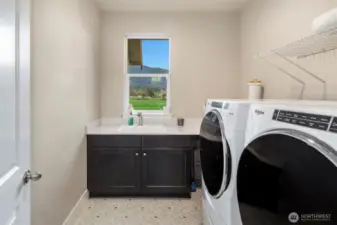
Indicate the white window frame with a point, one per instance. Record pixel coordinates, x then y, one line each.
167 110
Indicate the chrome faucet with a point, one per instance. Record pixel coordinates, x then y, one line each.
140 119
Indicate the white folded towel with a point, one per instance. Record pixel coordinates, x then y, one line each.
325 22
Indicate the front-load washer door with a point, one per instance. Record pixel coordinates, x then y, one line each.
215 154
287 177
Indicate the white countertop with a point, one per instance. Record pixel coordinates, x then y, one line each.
152 126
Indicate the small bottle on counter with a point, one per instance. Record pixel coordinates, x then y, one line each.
130 119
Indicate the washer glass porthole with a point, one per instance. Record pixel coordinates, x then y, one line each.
215 154
287 173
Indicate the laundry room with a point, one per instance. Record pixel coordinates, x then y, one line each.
154 112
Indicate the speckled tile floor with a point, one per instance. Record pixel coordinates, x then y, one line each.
142 211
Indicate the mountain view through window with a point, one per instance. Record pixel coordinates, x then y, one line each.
148 68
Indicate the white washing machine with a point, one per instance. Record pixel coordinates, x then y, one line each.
287 173
222 134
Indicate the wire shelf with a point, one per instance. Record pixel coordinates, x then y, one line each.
308 46
305 47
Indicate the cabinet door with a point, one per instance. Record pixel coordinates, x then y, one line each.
114 171
166 171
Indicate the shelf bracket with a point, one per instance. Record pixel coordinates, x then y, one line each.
306 71
288 74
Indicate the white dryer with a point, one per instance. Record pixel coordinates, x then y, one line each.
222 134
287 173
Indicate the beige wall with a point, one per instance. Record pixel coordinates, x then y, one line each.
65 97
268 24
205 59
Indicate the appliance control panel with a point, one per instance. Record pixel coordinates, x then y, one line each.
333 127
315 121
217 104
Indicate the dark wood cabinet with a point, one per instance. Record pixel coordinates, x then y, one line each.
166 171
114 171
120 165
197 168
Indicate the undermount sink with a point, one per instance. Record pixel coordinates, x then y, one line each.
141 129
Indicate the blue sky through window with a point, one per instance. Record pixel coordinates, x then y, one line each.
156 53
149 92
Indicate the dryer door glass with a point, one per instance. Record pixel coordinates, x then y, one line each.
283 179
214 154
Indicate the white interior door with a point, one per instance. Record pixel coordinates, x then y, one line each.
14 112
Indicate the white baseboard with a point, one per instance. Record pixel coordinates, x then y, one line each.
76 211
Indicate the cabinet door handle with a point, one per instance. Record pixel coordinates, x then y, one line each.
144 154
137 154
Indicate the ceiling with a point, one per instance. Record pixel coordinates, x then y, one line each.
171 5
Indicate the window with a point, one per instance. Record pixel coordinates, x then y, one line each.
148 74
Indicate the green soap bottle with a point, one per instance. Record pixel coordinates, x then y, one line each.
130 120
